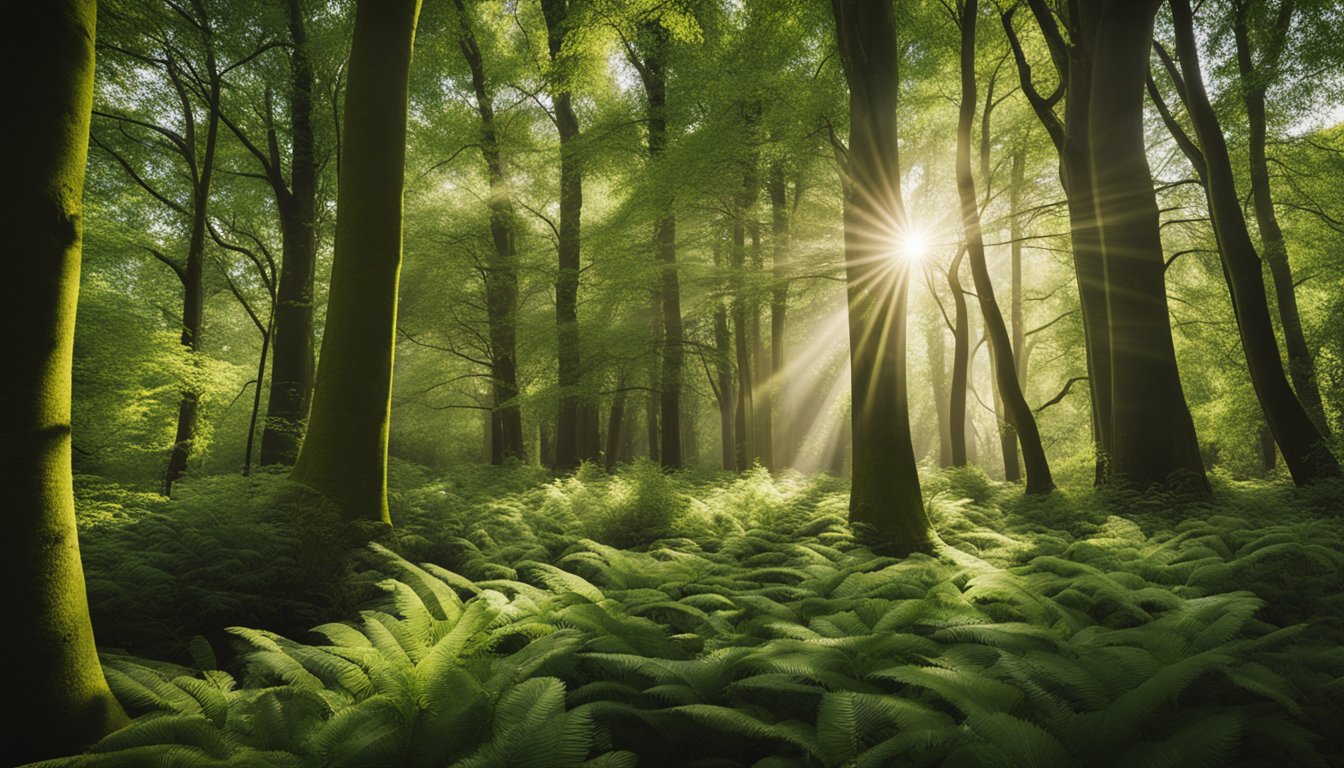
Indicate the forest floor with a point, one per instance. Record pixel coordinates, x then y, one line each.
717 620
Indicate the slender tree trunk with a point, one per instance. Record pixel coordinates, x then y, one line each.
961 363
1017 412
568 422
783 447
616 425
501 273
763 430
48 68
937 353
1254 81
193 277
744 448
256 394
1304 450
885 493
1018 174
292 366
1153 435
654 402
344 455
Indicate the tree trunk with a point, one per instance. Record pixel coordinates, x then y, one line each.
961 364
744 447
66 704
937 354
1254 80
344 454
569 371
616 425
292 366
783 447
1073 61
885 493
1304 450
266 335
763 406
1153 435
1017 412
193 277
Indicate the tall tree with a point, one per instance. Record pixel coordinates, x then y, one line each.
1256 76
1152 432
344 454
775 391
1303 449
568 235
48 68
1015 407
501 272
1071 54
885 492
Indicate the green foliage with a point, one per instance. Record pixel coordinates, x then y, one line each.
756 631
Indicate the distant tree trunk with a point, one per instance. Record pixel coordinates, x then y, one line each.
783 448
1153 435
292 367
567 431
1304 450
344 454
193 276
937 353
763 436
1016 410
501 273
885 492
1254 80
616 425
654 402
1073 62
266 335
961 363
744 447
48 639
1018 174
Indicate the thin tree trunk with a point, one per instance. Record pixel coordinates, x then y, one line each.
1153 435
48 639
616 425
344 455
762 404
256 395
937 354
744 448
782 429
1304 450
1254 80
1016 410
292 366
885 493
961 363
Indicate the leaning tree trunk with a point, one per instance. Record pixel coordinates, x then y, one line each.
1304 450
292 364
1301 366
1153 435
885 493
344 454
1016 410
48 639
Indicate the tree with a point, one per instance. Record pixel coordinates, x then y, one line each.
1152 432
885 492
49 70
344 454
1303 449
1015 406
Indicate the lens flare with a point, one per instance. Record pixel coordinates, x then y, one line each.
913 246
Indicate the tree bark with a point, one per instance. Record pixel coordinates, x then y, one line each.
1016 410
743 420
961 363
344 454
783 448
1304 450
292 364
1254 81
48 69
1153 435
885 494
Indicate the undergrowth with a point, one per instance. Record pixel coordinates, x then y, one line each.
717 621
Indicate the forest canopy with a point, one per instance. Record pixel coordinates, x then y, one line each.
870 382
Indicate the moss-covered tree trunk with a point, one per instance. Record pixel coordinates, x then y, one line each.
344 454
1015 409
292 364
1304 450
61 699
1153 435
885 493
